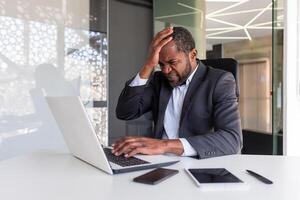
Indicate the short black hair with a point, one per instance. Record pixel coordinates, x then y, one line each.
183 39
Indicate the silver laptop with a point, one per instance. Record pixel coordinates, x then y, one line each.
81 139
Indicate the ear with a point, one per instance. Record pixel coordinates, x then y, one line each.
193 55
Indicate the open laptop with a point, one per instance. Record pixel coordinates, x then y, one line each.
79 134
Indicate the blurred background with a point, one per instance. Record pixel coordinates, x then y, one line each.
92 47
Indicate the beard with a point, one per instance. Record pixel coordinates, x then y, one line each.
175 79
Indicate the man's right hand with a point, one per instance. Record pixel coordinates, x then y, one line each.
153 58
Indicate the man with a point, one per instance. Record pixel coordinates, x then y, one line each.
194 107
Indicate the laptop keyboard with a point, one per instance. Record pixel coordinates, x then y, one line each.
121 160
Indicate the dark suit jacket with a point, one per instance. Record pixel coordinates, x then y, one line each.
210 118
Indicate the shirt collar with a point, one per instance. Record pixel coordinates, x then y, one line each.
189 79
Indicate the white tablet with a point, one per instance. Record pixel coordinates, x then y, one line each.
215 178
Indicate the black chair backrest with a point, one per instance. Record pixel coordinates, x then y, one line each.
226 64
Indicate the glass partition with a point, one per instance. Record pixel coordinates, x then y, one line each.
277 70
251 32
49 48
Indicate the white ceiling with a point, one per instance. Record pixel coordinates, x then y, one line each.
231 20
226 20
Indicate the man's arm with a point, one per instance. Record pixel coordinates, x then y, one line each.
130 146
227 136
135 101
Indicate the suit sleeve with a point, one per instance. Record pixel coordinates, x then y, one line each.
135 101
227 135
138 81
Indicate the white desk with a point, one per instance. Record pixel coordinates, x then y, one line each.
54 175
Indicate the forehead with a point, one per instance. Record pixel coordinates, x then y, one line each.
169 51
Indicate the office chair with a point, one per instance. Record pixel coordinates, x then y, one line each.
230 65
226 64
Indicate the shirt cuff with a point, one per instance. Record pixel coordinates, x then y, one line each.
138 81
188 150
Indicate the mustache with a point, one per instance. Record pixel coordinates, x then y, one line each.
172 74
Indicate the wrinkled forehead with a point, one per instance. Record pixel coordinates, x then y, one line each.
169 51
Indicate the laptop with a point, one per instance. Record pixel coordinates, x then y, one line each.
81 139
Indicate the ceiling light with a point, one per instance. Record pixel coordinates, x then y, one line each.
224 22
240 12
225 31
247 33
190 7
259 14
227 8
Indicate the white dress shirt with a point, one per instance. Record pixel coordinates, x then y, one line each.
173 112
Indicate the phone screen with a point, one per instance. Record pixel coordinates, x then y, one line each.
155 176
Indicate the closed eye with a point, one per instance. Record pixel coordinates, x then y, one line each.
172 63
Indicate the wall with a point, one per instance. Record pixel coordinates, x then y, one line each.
291 78
247 50
130 33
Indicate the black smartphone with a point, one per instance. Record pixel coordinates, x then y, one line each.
155 176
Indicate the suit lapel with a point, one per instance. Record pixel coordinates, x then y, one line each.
165 94
193 86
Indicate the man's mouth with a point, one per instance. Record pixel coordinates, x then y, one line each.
172 77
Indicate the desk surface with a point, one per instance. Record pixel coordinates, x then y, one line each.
54 175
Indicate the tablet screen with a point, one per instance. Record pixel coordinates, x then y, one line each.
214 175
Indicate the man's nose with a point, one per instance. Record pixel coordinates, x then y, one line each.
166 69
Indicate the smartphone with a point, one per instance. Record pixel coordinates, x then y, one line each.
155 176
